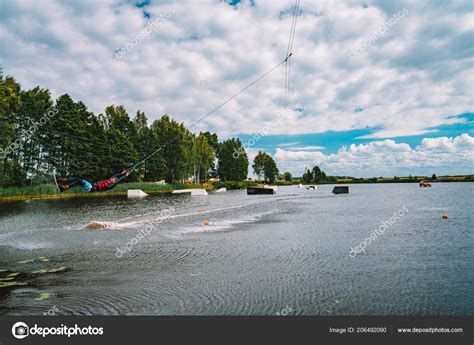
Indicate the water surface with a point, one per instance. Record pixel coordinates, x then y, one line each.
258 255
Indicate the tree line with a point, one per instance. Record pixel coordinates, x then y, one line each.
39 134
316 175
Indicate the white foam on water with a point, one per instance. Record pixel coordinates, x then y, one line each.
221 225
28 245
134 224
136 221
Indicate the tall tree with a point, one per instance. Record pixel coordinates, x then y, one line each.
202 156
121 135
10 103
232 161
270 169
213 141
287 176
117 118
75 142
173 138
316 173
307 176
143 143
35 112
259 164
264 165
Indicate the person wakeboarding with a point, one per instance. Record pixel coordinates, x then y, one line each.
100 186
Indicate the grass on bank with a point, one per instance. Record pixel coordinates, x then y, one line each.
49 191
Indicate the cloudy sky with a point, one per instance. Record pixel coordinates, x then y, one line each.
378 88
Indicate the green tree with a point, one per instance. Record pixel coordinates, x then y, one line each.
307 176
97 147
11 173
74 141
116 117
122 137
264 165
202 157
232 161
61 137
270 169
143 144
317 174
174 140
213 141
122 153
287 176
259 164
32 117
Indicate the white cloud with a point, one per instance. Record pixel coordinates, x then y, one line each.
383 158
306 148
447 145
408 82
289 144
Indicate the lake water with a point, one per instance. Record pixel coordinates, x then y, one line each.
259 255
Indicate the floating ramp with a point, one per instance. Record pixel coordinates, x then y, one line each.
136 193
260 190
341 190
194 192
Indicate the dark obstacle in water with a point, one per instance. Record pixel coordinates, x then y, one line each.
259 190
341 190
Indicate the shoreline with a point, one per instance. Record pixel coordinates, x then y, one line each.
49 192
150 188
72 195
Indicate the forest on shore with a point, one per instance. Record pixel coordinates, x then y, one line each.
39 134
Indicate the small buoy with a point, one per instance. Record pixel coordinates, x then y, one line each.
445 216
205 223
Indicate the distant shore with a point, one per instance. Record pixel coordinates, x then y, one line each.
49 191
412 179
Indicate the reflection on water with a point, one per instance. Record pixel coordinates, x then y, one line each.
230 253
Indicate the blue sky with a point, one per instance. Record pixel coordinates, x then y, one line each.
331 141
378 88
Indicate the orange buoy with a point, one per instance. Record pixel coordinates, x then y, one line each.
445 216
206 223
